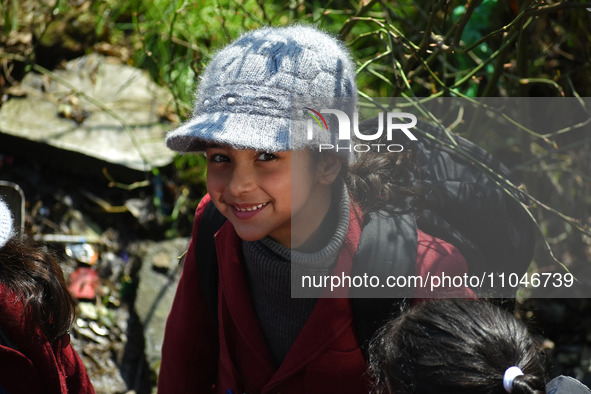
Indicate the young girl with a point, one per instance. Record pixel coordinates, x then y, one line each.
287 207
461 346
36 312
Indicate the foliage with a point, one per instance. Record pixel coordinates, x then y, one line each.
408 48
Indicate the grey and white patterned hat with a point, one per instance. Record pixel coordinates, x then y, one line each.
6 230
246 93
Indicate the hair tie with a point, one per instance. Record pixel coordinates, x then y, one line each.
510 374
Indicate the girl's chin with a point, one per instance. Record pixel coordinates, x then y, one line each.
251 236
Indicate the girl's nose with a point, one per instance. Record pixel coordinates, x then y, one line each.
242 180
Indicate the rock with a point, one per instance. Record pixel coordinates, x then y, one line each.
162 262
156 290
94 107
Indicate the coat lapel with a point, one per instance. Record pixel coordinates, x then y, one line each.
235 294
329 318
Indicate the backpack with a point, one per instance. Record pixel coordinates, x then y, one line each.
463 206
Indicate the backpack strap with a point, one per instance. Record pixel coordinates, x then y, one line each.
387 246
207 261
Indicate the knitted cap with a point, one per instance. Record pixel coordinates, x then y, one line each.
5 223
245 95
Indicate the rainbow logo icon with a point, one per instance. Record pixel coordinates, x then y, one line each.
318 115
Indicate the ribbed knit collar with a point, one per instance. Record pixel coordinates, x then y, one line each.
326 256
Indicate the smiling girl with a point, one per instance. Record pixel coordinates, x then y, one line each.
287 207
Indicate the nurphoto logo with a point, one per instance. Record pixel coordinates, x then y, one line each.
393 124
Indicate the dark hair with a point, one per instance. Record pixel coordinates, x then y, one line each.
33 273
384 180
455 346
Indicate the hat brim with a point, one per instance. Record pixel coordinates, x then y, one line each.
239 130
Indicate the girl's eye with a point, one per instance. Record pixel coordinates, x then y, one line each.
266 156
218 158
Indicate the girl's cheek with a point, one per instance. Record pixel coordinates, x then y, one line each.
213 182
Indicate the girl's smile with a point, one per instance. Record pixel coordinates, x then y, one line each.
246 211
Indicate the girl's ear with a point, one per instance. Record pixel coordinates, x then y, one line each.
328 169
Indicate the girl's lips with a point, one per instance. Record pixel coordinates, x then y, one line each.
246 211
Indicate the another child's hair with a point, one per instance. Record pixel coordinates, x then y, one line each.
33 273
384 180
455 346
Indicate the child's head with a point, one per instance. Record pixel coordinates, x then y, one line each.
258 177
244 108
456 346
34 274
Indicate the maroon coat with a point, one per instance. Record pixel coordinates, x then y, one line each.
38 366
325 357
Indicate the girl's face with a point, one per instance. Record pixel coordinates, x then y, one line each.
265 194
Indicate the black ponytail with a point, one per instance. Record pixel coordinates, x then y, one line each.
455 346
382 179
528 384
